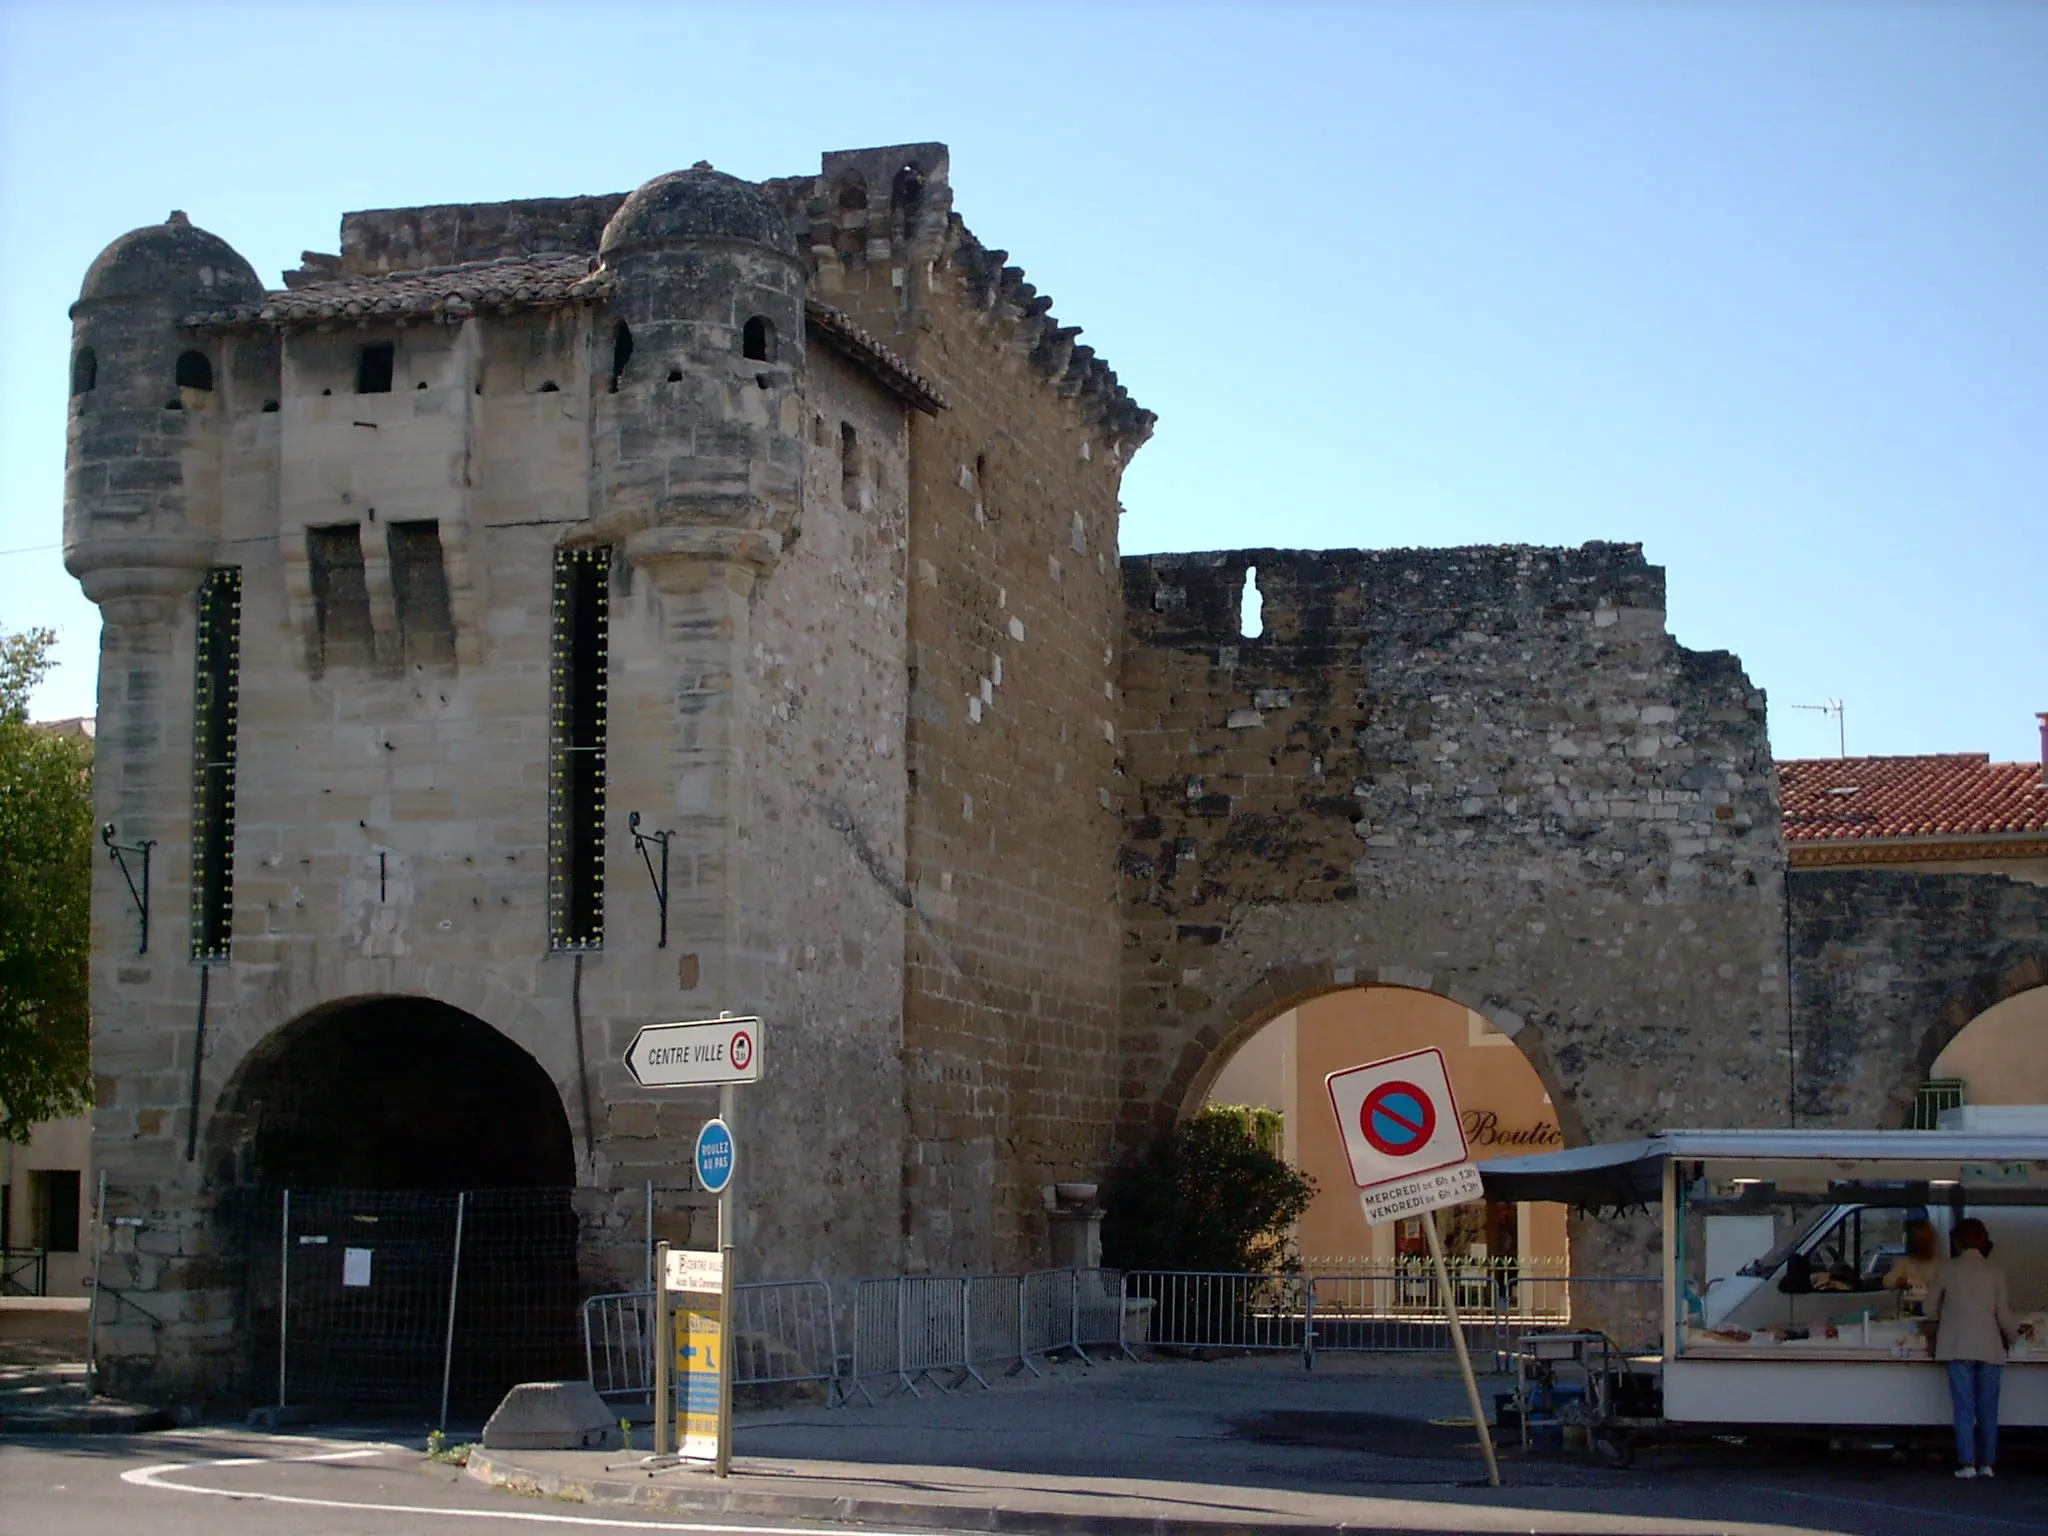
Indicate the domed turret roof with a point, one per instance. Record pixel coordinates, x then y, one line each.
174 259
697 204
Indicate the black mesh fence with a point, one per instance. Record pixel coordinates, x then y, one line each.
387 1300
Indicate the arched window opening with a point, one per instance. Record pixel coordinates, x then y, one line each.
85 371
757 341
853 192
906 194
194 371
622 352
1251 606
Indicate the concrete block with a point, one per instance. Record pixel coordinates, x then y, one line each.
552 1416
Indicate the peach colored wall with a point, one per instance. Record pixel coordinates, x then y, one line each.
2002 1054
1497 1091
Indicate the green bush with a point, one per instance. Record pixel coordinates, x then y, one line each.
1204 1196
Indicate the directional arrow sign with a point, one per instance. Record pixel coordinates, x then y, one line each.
690 1055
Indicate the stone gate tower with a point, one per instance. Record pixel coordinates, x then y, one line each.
774 521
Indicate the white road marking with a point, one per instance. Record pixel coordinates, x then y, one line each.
153 1477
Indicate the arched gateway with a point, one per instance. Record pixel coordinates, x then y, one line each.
395 1182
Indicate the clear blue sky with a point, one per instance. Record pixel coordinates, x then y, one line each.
1763 286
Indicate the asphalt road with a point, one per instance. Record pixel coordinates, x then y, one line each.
233 1483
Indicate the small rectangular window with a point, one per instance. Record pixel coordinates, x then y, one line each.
216 699
374 368
849 465
576 787
342 634
53 1209
419 587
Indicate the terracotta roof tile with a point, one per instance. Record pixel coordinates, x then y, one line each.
912 386
1953 794
510 282
526 282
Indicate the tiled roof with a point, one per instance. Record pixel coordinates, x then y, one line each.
512 282
526 282
1954 794
893 371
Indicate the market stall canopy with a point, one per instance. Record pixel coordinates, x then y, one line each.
1628 1173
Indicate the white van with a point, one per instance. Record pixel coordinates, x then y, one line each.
1831 1268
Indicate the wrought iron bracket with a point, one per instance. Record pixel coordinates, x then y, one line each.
660 878
119 853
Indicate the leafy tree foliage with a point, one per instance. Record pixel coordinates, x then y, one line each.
45 902
1204 1196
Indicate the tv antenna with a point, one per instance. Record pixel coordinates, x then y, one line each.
1833 707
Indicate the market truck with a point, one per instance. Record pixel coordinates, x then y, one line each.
1749 1350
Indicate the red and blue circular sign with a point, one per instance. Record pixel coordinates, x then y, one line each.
1397 1119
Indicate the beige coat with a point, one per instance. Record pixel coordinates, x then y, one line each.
1969 1299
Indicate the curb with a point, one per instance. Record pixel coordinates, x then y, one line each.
901 1513
114 1419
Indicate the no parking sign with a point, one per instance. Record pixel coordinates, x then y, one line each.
1403 1136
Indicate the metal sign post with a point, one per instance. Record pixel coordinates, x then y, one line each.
725 1052
1406 1144
664 1356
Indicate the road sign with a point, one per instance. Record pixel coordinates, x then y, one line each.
695 1271
714 1156
700 1352
694 1054
1402 1133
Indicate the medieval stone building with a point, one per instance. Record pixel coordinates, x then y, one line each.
543 619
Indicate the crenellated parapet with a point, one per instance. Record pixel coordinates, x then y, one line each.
880 222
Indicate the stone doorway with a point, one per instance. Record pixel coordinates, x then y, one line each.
397 1212
1505 1108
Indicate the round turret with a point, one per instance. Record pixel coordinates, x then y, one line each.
705 344
699 204
141 507
173 260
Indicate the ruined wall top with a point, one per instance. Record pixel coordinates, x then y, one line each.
891 204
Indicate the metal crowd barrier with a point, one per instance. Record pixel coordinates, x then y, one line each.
618 1344
904 1332
913 1328
1392 1309
784 1332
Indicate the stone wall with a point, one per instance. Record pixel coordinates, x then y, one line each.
391 828
1009 1014
1487 773
1887 968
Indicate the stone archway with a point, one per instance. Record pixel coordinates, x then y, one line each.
1205 1048
391 1093
394 1206
1505 1108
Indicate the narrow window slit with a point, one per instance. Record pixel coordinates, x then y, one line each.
374 367
1251 606
216 701
576 778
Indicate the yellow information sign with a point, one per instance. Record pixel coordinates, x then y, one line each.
700 1347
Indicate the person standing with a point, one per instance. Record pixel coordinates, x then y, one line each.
1972 1312
1915 1270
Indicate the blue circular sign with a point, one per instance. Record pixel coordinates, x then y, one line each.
714 1156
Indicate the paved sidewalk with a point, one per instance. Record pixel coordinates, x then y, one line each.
1248 1445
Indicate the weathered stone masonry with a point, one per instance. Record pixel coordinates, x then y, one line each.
1887 968
1485 772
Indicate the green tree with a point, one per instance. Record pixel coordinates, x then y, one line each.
1205 1196
45 902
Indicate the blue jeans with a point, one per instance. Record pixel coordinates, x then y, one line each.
1973 1393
